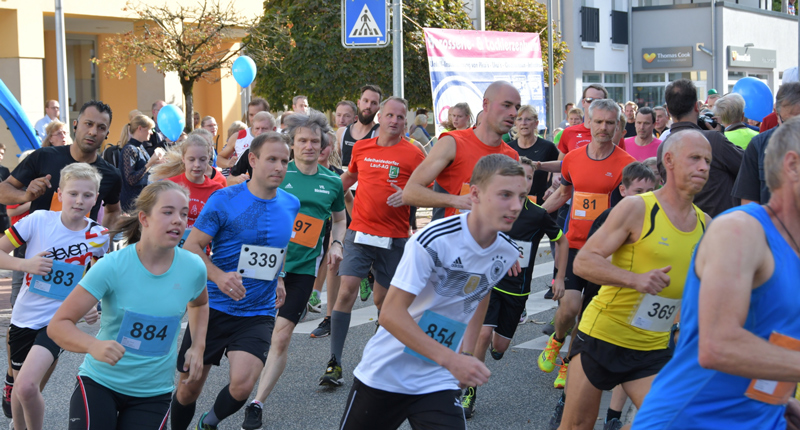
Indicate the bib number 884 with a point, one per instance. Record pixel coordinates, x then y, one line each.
441 336
149 332
661 312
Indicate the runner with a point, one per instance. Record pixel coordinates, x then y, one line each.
530 145
451 167
380 226
745 271
60 244
126 377
594 173
261 122
509 296
321 196
644 144
624 334
411 369
365 127
250 224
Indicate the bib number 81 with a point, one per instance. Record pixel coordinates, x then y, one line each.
148 333
589 204
661 312
441 336
58 278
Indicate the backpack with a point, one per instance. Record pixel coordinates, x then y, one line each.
111 155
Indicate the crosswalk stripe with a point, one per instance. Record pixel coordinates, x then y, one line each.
540 343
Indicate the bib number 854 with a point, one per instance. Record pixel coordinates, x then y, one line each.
661 312
58 278
149 332
441 336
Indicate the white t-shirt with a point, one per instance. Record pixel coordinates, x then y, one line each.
44 231
243 141
450 274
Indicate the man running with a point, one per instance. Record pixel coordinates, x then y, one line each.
321 196
412 369
624 333
590 176
741 291
250 224
379 230
453 158
261 122
365 127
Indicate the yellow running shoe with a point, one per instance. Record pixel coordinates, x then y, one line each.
547 359
561 379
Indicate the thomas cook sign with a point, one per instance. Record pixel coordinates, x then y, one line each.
660 58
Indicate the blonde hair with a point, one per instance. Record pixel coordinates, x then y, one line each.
139 121
77 171
51 129
334 158
530 109
494 164
173 159
575 111
236 127
129 226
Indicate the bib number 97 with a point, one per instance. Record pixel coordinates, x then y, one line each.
301 227
440 334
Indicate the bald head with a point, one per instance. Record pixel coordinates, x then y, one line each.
496 88
500 103
678 140
686 161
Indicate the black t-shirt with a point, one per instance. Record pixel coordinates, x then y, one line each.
542 150
50 161
242 165
630 129
533 223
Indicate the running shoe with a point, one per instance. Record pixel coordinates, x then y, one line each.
468 401
548 295
323 329
364 291
201 426
524 317
333 374
614 424
550 328
547 359
496 354
561 379
7 399
252 417
555 419
314 302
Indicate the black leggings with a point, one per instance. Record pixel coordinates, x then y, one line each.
107 409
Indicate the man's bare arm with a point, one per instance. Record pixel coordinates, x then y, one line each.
558 198
13 192
416 193
112 213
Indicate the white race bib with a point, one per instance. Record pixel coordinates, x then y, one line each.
656 313
260 262
525 253
376 241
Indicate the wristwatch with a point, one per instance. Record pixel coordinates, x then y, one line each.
337 241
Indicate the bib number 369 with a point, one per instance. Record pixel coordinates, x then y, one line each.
656 313
446 331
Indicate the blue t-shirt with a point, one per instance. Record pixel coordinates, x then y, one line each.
233 217
122 283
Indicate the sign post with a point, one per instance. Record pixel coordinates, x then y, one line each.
365 23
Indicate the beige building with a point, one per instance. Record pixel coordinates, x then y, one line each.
28 64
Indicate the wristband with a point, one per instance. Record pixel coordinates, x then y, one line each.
282 275
337 241
467 353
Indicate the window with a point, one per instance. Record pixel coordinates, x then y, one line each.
81 72
590 24
648 88
592 78
613 82
619 27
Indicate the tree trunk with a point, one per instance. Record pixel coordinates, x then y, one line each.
187 87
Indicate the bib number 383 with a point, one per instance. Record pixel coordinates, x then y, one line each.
656 313
260 262
59 282
148 335
444 330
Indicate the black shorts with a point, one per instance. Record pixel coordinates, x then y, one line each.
368 408
607 365
108 409
298 291
589 292
326 241
504 312
359 258
571 280
21 340
231 333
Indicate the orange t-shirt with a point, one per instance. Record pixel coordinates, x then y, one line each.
578 136
469 149
378 168
593 181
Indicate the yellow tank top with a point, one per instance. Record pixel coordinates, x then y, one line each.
628 318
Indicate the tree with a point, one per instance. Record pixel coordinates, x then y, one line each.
189 40
527 16
314 62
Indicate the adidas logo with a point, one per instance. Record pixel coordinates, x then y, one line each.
289 186
457 264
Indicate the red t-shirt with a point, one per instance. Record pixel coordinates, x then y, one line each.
378 168
578 136
469 149
769 122
593 181
16 218
198 194
219 178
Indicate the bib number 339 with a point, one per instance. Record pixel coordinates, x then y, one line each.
444 330
656 313
148 335
260 262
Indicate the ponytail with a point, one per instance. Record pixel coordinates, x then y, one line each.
129 226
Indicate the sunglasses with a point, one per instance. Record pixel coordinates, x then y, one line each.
590 99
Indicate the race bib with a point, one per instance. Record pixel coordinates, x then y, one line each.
524 253
306 230
260 262
464 192
183 239
59 282
656 313
376 241
588 206
148 335
444 330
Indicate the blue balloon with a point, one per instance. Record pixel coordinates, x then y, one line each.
171 122
244 70
757 97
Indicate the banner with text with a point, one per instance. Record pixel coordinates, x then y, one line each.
464 62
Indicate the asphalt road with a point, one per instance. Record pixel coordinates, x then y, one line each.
518 395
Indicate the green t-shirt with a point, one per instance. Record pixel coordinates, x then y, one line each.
741 137
557 138
320 195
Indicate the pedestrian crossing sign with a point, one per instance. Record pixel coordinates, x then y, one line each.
365 23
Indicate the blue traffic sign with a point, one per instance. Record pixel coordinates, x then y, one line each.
365 23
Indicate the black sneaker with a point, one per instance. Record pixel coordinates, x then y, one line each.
612 424
333 374
496 354
323 329
7 399
555 419
548 295
252 417
468 401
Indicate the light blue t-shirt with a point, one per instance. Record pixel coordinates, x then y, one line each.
122 283
233 217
